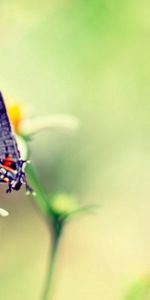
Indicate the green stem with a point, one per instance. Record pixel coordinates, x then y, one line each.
48 288
41 197
55 225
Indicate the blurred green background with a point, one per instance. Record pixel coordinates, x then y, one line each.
90 59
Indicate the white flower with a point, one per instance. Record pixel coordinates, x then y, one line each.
25 126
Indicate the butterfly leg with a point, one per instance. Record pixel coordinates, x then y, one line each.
29 190
9 188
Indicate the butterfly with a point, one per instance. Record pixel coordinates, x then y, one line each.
11 164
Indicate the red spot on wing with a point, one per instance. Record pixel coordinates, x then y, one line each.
9 164
7 161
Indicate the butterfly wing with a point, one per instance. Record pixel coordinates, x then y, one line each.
10 161
8 145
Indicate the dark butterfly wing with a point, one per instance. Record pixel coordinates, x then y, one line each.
8 145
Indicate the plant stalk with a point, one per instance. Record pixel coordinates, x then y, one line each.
48 286
41 197
55 229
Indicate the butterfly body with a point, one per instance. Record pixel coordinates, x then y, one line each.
11 164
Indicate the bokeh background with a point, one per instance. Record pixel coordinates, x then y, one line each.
90 59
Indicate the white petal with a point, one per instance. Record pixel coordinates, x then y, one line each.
58 122
3 212
22 146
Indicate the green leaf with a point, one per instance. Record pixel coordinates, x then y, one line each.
89 209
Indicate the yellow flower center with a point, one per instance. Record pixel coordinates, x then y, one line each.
15 114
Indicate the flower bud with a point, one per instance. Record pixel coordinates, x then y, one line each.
64 205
